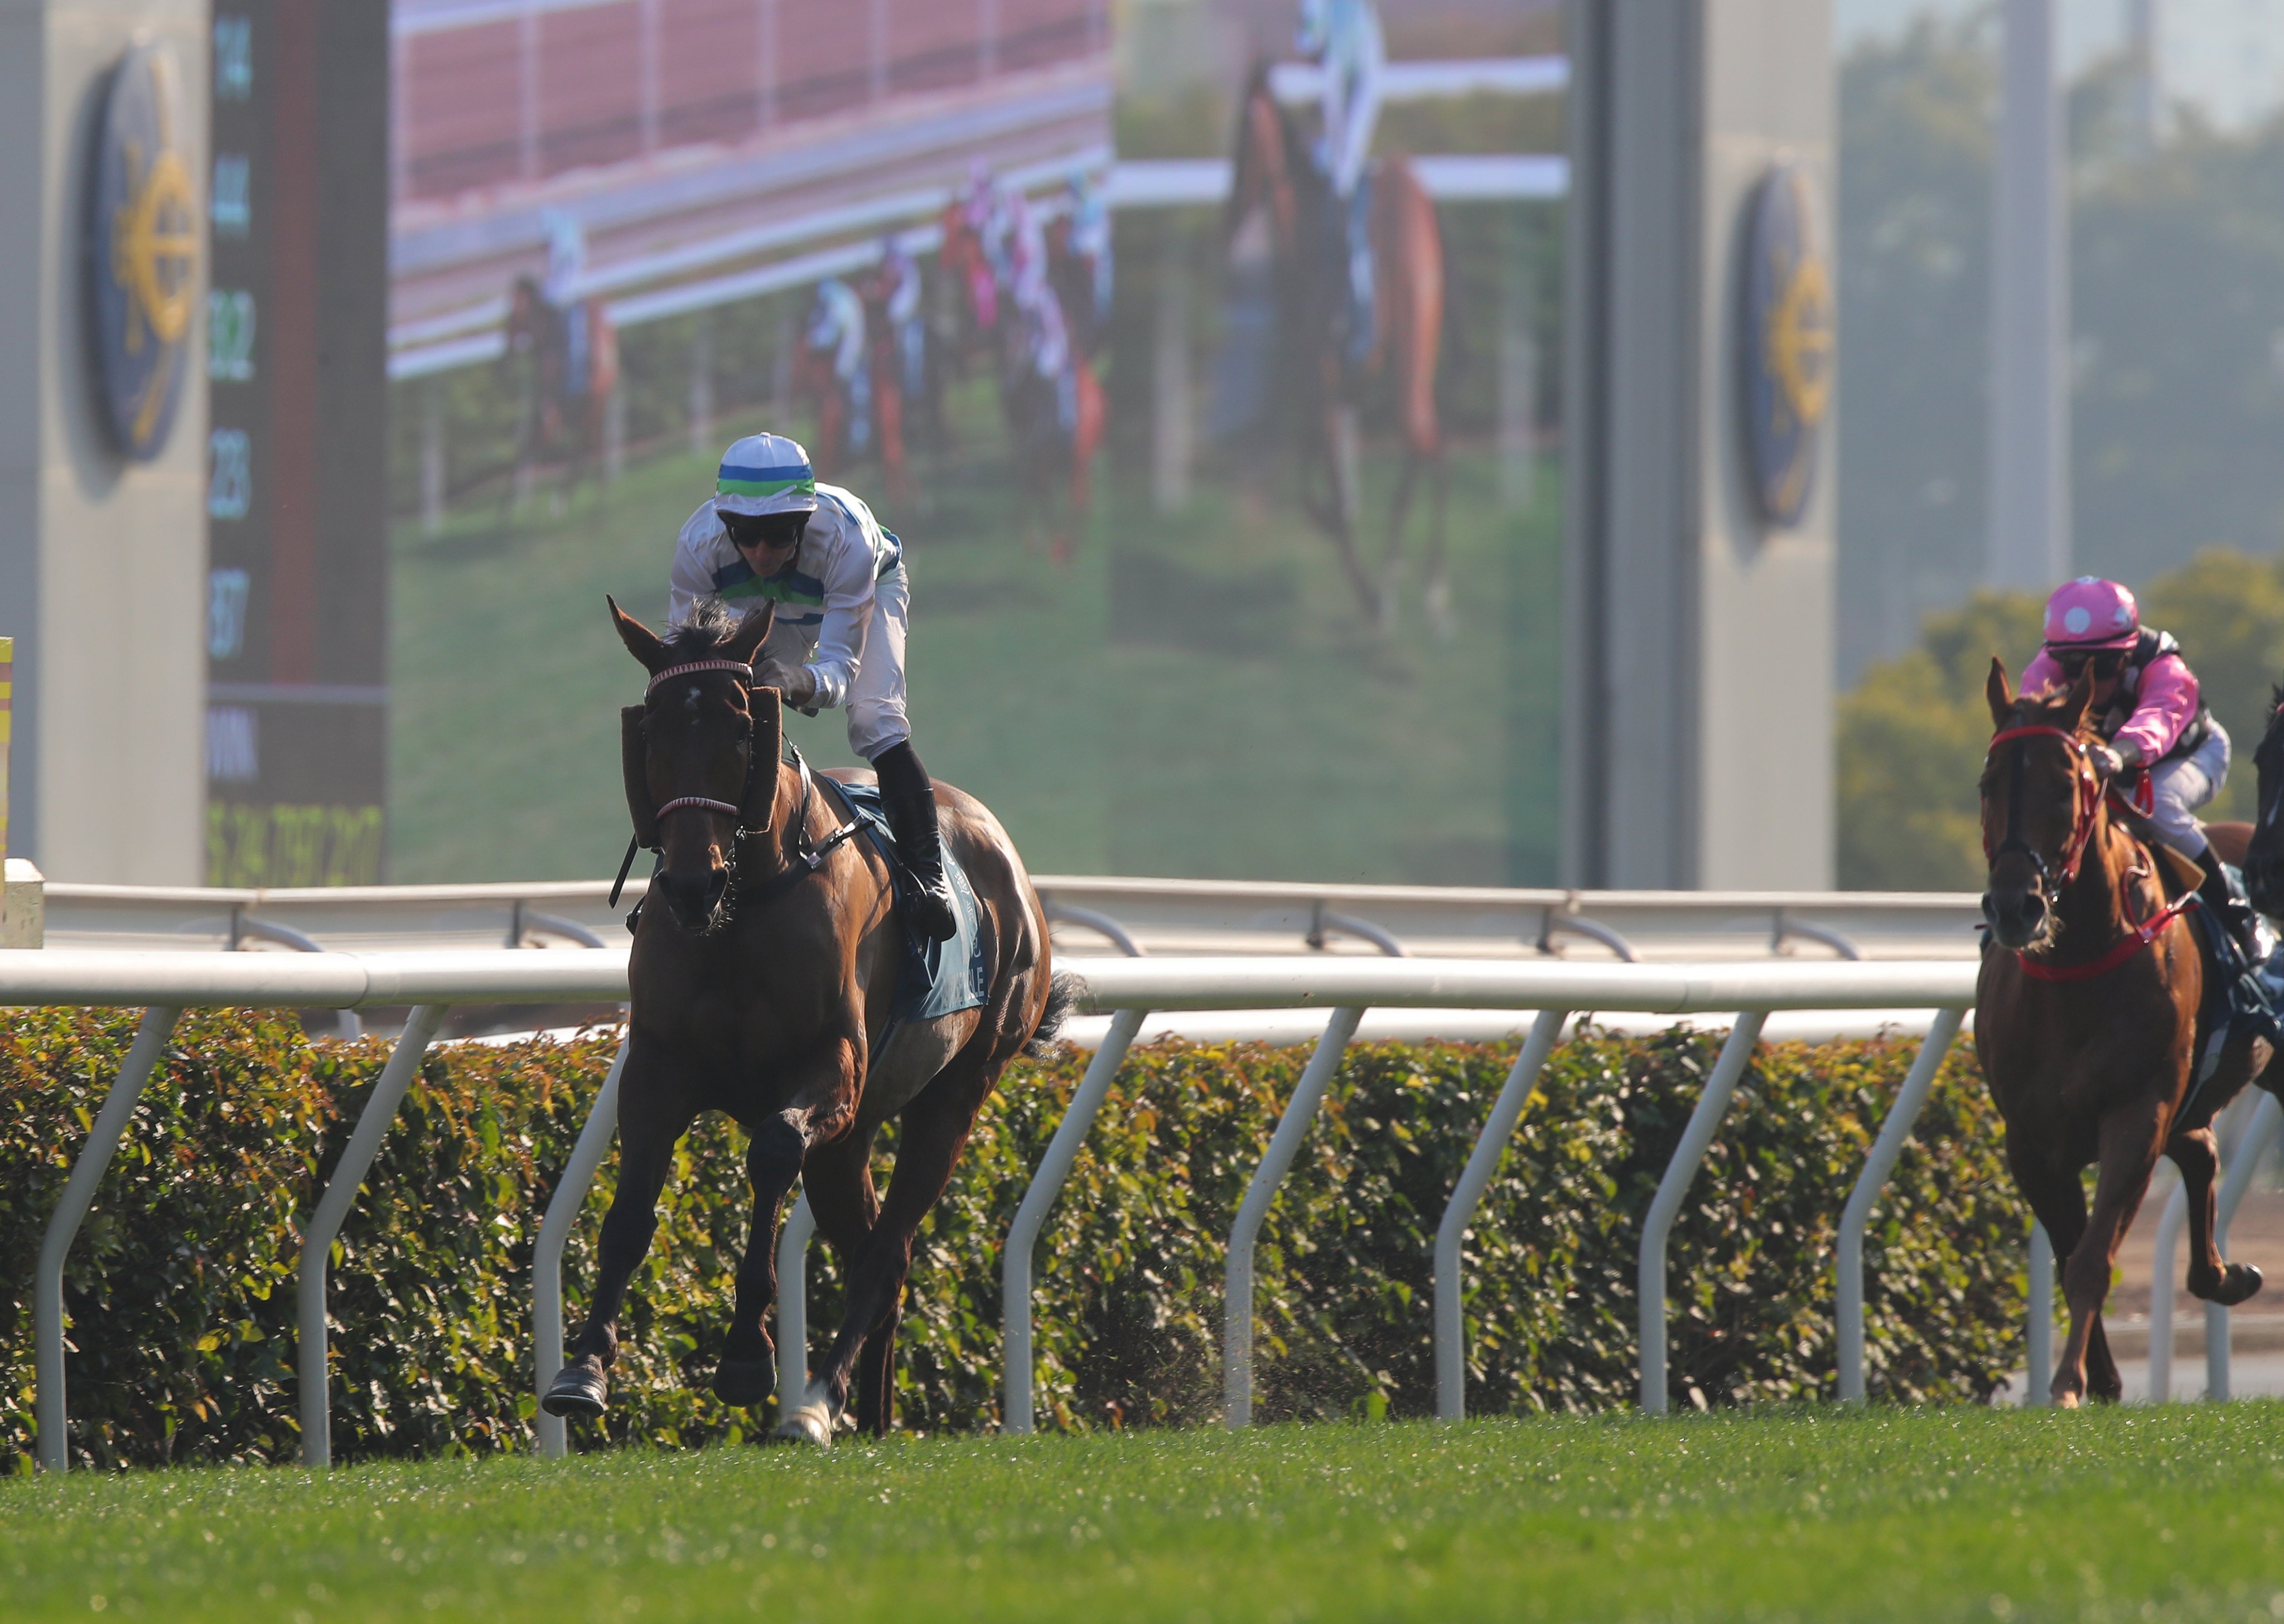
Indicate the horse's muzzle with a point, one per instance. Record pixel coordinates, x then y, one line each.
2018 919
693 899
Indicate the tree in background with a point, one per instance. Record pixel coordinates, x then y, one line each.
1913 734
2177 332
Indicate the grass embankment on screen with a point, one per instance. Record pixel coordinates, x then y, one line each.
1113 710
2169 1513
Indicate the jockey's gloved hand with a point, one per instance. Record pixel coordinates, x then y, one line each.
2109 761
797 684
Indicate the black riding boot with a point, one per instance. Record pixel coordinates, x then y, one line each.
2230 909
911 802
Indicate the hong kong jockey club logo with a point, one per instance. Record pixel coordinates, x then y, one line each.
1786 359
142 251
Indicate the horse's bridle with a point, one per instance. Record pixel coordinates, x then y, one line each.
746 675
808 855
2087 803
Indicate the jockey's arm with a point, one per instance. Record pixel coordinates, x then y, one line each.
839 649
2165 704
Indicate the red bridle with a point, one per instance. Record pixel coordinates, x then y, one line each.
2086 804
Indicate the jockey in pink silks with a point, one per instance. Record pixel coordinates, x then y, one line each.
2151 716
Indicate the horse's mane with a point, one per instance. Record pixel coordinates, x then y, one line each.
705 633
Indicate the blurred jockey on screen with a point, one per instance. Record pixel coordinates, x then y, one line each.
2150 715
1343 38
836 328
771 531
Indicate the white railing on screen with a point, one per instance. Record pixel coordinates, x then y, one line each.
1125 988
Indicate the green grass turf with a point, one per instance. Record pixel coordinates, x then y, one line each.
2121 1514
1193 694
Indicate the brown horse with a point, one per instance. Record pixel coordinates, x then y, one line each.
2087 1015
762 975
557 395
1274 174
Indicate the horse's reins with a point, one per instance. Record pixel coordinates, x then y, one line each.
809 855
2087 803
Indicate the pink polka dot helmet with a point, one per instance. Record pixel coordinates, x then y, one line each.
2092 613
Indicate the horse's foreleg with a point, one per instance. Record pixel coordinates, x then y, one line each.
2058 1200
2129 1143
647 1135
748 1371
1391 565
2211 1278
876 1375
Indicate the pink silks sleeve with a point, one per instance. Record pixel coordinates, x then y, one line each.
2165 704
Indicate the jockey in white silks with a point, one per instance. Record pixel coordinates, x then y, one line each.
836 327
1343 38
771 531
566 265
900 274
1090 238
1046 337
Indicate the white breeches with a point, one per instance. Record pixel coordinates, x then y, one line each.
876 699
2180 786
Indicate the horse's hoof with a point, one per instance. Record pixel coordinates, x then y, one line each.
578 1390
2241 1281
810 1421
742 1382
2065 1398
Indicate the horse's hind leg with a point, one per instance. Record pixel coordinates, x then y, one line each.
648 1131
935 1128
748 1371
876 1375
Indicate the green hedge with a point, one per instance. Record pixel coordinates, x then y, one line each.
181 1295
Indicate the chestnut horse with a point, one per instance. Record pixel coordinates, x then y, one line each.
2087 1015
1273 172
986 323
560 399
763 972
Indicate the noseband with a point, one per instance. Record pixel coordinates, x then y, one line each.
745 675
2087 802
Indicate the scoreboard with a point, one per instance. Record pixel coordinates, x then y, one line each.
296 633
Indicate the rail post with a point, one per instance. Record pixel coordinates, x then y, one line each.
325 1224
2038 1382
1482 1161
1711 1105
594 1143
792 1302
2252 1148
1237 1309
2165 1271
1877 1168
1046 1184
88 1168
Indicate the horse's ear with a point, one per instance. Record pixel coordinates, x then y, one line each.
641 641
2002 701
752 631
2080 696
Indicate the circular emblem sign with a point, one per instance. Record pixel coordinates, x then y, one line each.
1786 359
143 252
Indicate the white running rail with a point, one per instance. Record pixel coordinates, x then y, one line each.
1343 986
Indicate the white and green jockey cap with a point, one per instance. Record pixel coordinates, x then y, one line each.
765 473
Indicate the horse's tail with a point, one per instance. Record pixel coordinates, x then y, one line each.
1063 995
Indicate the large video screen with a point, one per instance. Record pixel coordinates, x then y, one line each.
1202 355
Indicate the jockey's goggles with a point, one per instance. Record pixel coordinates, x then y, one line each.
2107 663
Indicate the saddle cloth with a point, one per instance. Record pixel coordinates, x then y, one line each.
938 978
